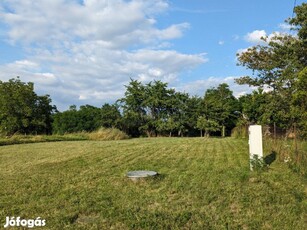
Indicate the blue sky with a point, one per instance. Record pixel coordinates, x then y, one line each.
84 52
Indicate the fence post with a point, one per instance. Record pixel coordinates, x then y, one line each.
255 143
274 132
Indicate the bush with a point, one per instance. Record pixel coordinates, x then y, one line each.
107 134
258 164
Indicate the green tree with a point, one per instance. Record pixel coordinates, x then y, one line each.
299 102
220 105
177 112
42 118
158 106
254 106
66 122
207 125
134 113
277 65
87 118
194 109
22 110
110 116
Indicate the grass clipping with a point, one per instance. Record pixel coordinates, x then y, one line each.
107 134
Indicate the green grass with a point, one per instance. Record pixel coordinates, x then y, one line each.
203 184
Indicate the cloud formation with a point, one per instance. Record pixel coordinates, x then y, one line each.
255 36
261 37
199 87
86 51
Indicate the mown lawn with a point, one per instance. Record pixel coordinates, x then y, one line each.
203 184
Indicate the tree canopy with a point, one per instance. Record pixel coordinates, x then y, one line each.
22 111
279 66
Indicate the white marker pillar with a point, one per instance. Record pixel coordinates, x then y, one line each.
255 142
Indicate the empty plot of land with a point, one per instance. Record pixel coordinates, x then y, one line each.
202 184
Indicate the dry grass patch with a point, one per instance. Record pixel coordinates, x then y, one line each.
107 134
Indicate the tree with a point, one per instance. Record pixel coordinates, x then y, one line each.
299 101
42 119
176 112
22 110
134 113
157 106
207 125
253 106
220 105
87 118
110 116
147 107
277 65
66 122
194 109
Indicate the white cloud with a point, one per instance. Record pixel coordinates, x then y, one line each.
199 87
117 23
285 26
25 64
255 36
261 37
86 52
221 43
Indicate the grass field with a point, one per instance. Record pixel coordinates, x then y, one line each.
203 184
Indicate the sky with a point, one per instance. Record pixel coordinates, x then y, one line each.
85 51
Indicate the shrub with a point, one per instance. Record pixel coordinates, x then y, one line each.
107 134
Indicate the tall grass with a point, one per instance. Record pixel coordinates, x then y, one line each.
101 134
107 134
291 152
240 132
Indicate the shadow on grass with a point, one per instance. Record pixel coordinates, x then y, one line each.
269 159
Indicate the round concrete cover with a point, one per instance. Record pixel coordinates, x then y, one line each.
141 173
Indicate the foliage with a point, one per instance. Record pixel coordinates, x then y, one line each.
153 109
280 65
299 102
208 125
220 105
88 118
133 109
110 116
22 110
258 164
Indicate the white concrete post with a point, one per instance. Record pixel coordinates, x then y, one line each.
255 142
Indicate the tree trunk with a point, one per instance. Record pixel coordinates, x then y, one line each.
223 131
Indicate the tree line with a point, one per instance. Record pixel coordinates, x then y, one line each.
279 72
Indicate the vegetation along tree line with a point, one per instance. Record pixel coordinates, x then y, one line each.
153 109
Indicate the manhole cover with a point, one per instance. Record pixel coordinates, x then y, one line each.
141 174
